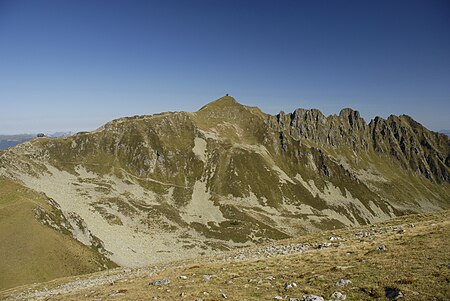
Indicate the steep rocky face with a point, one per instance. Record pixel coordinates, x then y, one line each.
174 185
414 146
348 128
407 141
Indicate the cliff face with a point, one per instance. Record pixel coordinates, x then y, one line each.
400 137
172 185
412 145
348 128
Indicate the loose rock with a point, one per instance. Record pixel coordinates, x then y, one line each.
161 282
393 293
343 282
381 248
289 285
337 296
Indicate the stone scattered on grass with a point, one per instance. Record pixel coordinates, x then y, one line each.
393 293
289 285
161 282
343 282
337 296
381 248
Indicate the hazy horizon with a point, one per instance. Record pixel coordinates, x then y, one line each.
96 126
73 66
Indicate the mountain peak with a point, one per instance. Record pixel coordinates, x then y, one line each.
224 176
223 102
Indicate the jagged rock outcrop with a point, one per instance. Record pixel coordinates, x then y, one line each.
412 145
348 128
400 137
230 175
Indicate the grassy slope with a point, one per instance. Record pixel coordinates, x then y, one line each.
415 262
31 252
404 188
121 148
125 146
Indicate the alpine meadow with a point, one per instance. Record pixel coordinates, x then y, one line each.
211 150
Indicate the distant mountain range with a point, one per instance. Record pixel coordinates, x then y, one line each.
446 132
7 141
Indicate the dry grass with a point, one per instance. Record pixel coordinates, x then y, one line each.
416 261
31 252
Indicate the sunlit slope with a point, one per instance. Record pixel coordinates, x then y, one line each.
406 256
178 184
32 251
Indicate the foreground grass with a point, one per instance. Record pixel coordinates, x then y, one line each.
416 262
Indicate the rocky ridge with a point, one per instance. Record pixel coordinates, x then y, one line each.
177 185
412 145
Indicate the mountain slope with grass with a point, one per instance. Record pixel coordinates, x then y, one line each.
405 257
157 188
34 247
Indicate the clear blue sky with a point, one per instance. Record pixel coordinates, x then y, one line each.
74 65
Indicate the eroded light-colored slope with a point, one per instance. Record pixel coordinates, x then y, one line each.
131 236
168 186
31 251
